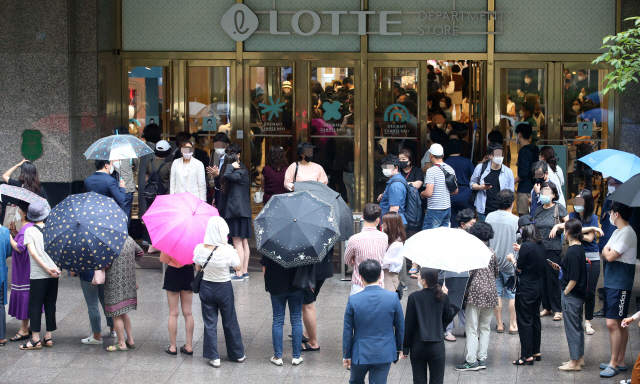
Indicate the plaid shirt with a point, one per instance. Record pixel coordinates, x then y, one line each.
370 244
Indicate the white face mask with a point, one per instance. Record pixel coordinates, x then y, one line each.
440 125
443 105
117 164
578 208
576 108
580 78
111 168
420 284
386 172
220 151
521 113
612 219
187 156
611 189
498 160
527 80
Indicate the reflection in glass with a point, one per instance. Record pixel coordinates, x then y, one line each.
332 127
146 98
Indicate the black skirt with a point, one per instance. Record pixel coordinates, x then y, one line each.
239 227
178 279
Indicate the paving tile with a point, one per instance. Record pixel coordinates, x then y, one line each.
76 375
141 377
35 374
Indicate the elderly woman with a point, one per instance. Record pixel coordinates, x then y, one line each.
482 298
121 294
215 257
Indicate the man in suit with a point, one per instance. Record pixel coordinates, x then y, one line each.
373 328
103 183
220 143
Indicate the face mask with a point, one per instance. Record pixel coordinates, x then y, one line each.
545 199
576 108
111 168
440 125
611 189
420 284
521 113
568 81
404 164
612 219
527 80
386 172
308 158
538 180
578 208
498 160
187 156
220 151
580 78
443 105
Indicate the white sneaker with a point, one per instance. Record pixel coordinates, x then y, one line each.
297 361
277 362
215 363
242 359
91 341
113 334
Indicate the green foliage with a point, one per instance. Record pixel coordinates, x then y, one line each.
623 54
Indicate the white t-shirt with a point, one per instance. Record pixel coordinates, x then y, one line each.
392 259
33 235
441 198
557 178
217 270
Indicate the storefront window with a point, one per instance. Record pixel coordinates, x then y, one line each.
147 104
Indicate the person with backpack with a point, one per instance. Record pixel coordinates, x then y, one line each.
394 197
157 176
463 167
440 183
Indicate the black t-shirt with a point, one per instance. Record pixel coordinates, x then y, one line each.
492 178
277 280
17 183
531 261
324 269
415 174
574 267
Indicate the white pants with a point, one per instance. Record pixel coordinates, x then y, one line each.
355 288
477 320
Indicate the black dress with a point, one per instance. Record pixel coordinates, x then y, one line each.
237 207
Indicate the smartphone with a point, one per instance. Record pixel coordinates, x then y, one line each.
487 184
552 263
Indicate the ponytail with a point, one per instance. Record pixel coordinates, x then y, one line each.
438 292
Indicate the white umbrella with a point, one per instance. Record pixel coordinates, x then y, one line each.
195 108
448 249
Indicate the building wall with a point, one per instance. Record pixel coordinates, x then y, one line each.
630 98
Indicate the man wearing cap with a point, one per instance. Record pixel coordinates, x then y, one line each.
439 199
286 87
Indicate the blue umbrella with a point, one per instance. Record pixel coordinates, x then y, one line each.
117 147
85 232
618 164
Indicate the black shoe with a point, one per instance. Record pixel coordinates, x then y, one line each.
601 290
600 313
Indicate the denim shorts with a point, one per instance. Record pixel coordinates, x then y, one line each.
501 280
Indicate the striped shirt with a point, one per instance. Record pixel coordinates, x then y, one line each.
441 198
370 244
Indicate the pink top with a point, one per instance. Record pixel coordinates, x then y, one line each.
368 244
309 172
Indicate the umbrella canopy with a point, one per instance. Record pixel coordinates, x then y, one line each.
343 212
295 229
628 193
117 147
18 195
618 164
85 232
449 249
177 223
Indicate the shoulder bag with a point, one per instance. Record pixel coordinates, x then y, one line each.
258 196
195 285
556 219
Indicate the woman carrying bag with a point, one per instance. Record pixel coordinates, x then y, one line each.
304 169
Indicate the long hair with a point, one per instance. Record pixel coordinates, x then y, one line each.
531 233
430 275
549 156
589 206
574 229
392 222
276 158
229 159
29 177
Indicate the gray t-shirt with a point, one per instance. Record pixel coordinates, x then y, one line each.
505 226
33 235
545 221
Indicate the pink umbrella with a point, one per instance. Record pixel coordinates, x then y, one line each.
177 223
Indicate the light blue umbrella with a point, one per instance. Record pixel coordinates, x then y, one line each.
618 164
117 147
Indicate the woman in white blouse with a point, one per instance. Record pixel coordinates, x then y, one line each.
392 263
187 174
215 255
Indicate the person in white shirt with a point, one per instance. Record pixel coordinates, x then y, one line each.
187 174
392 262
556 176
215 256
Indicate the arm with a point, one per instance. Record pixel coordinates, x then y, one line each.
288 177
350 254
589 236
323 176
202 184
7 174
231 174
428 191
409 325
32 251
416 184
572 283
398 325
118 193
347 333
172 179
609 254
510 181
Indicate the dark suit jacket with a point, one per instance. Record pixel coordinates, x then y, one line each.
106 185
373 327
143 161
238 203
426 320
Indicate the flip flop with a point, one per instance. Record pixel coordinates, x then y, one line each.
184 350
168 350
116 348
130 346
304 339
500 330
308 348
413 271
19 337
513 332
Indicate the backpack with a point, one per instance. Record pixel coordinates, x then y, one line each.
449 179
154 185
412 205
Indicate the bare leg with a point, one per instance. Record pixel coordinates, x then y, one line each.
119 326
310 323
126 322
624 338
237 244
513 326
616 338
24 327
186 297
173 298
498 312
245 261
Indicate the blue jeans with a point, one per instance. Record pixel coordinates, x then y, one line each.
94 296
436 218
279 303
482 217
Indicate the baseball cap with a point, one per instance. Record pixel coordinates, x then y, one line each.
286 84
436 150
162 146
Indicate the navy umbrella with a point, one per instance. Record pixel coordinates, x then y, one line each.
321 190
85 232
296 229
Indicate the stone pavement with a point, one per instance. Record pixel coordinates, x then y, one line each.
69 361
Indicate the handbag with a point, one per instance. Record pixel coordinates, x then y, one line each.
258 196
98 277
195 284
305 277
512 283
451 87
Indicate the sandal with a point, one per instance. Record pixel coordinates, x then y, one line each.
19 337
307 348
546 312
304 339
2 343
184 350
168 350
523 361
589 329
46 343
34 345
130 346
557 316
413 271
500 330
116 348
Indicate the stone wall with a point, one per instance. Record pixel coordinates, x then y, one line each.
630 98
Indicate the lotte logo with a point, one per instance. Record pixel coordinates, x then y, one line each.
239 22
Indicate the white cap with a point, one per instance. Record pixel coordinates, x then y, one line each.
286 84
162 146
436 150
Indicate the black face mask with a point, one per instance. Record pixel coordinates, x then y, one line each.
538 180
404 164
308 158
568 81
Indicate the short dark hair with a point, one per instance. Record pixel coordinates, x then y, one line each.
447 101
554 190
540 164
438 136
465 216
101 163
234 148
391 159
495 137
402 91
455 68
524 129
482 230
407 152
152 133
430 67
492 147
371 212
574 228
370 271
182 137
431 75
221 137
411 107
623 210
528 107
505 199
453 147
347 80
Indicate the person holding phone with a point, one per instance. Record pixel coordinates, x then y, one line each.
488 181
545 217
573 271
187 173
